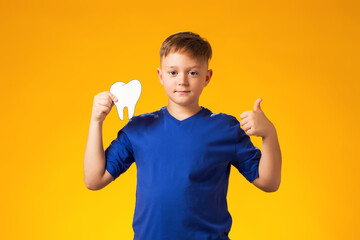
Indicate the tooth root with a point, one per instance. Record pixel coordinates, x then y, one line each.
120 110
131 110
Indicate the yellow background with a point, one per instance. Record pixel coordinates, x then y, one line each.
301 57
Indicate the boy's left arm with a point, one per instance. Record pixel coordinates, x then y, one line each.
256 123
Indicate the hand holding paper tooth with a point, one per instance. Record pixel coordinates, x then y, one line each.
255 122
128 95
102 105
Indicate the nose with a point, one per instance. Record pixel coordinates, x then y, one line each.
182 79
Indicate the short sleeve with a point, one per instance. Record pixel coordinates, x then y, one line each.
119 155
247 156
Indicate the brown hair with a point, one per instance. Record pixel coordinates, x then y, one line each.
187 42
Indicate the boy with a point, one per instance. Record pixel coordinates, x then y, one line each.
183 152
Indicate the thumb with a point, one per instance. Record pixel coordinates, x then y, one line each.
257 105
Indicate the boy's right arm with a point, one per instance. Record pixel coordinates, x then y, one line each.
95 175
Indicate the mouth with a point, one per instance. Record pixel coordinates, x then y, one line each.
183 92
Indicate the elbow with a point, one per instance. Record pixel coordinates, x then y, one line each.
91 186
88 186
271 188
267 185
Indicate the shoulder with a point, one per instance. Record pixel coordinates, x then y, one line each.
223 118
143 120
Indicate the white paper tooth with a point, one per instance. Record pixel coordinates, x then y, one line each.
127 95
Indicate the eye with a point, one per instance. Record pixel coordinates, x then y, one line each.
172 72
194 73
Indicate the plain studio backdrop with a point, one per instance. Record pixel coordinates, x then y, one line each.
300 57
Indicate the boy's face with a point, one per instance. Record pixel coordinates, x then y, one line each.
183 78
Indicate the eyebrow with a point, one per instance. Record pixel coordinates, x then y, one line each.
196 66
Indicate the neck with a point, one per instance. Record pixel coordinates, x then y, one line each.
181 112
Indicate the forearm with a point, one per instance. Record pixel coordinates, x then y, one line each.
94 158
270 162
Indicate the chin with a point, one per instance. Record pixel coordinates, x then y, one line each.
182 103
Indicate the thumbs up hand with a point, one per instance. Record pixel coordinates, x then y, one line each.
255 122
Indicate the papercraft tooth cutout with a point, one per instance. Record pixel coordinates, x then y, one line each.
127 95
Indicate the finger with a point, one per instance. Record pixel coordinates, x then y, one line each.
105 102
244 114
104 109
250 132
247 126
246 130
244 121
109 95
113 97
257 104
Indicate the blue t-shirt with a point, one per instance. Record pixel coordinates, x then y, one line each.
183 172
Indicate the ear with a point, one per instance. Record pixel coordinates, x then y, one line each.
160 76
208 77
